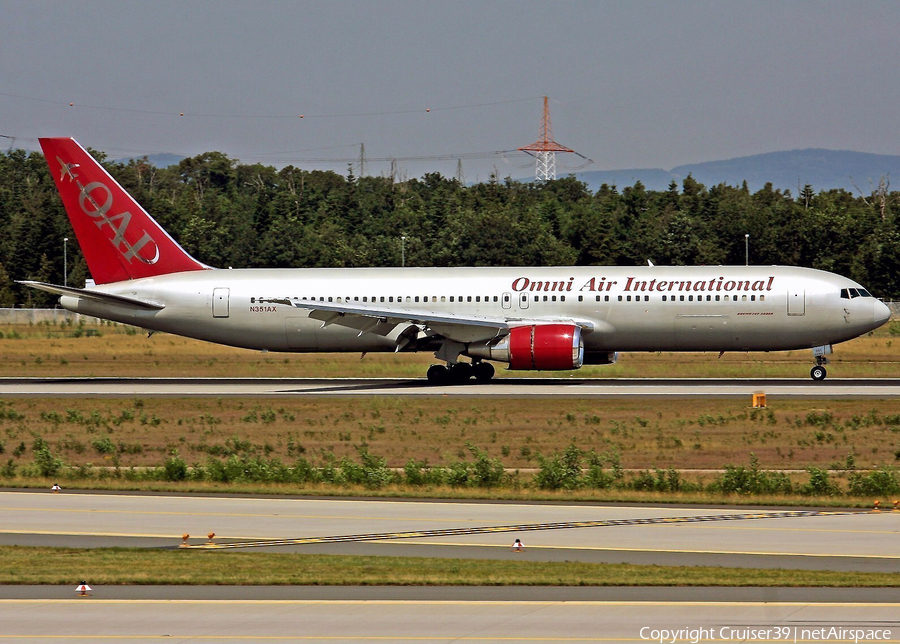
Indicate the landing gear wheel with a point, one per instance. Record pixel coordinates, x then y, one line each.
484 371
818 372
461 372
437 374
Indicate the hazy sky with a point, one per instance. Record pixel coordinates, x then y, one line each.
632 84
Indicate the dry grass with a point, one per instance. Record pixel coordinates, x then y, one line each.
26 565
683 434
48 350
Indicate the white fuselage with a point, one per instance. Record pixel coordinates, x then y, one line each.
645 308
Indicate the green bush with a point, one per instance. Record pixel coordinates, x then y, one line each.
819 484
175 469
880 482
104 446
752 480
560 471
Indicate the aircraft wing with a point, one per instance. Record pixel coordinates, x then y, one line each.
381 320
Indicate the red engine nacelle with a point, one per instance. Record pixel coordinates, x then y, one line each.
546 346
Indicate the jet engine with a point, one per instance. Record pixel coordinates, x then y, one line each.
543 346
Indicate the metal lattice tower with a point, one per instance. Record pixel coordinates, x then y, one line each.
544 149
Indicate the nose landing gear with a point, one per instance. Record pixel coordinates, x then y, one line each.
818 372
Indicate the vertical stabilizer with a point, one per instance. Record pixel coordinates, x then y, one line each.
120 241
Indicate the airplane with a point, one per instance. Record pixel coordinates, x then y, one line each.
531 318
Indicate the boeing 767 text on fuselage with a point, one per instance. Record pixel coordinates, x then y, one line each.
552 318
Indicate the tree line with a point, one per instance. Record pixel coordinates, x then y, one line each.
230 214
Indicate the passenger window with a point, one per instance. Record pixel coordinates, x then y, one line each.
451 298
734 298
562 298
537 298
743 298
417 298
477 298
664 298
620 298
330 299
605 298
444 298
382 298
718 298
469 299
581 298
545 298
497 299
646 298
762 298
598 298
681 297
752 298
628 298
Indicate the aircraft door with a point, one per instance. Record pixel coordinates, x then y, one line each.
523 300
220 303
796 302
506 301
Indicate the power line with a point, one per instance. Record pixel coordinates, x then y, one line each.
295 115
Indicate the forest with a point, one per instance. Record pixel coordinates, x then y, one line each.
229 214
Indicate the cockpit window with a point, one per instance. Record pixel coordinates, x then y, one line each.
850 293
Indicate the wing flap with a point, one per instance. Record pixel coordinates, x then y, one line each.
381 320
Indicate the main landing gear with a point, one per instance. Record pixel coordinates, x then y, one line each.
460 373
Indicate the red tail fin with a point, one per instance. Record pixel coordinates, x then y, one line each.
119 239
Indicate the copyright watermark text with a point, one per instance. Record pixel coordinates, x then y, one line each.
759 633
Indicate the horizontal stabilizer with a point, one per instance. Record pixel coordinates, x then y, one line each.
97 296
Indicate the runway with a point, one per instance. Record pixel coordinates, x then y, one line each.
663 535
499 388
837 540
365 621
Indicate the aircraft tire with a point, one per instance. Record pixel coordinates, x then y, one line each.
461 372
483 371
818 373
437 374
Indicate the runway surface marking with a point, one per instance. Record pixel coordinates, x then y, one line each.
522 527
505 546
223 514
331 638
459 602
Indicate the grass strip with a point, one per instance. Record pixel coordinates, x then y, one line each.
113 566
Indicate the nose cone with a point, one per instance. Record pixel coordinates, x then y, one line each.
882 313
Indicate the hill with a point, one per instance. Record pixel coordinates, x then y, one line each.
822 169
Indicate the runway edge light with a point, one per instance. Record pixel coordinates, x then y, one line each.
83 589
